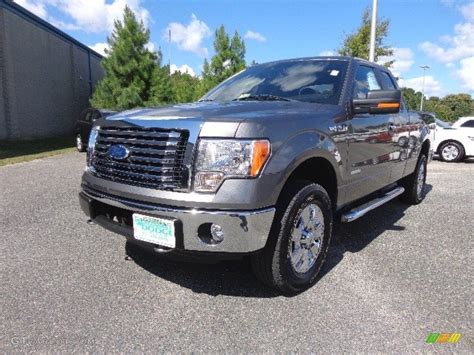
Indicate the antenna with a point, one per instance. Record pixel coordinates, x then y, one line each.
373 32
169 49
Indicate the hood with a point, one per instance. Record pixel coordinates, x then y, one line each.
222 119
215 111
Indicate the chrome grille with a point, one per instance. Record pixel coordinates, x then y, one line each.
156 158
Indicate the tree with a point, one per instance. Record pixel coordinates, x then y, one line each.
411 98
448 108
459 105
130 68
161 91
228 59
357 44
184 87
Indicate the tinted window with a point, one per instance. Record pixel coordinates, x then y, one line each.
96 115
317 81
427 118
402 105
469 124
387 81
365 81
442 124
88 116
82 117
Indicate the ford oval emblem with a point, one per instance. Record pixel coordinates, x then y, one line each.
118 152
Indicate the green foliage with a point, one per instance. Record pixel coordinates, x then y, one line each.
357 44
129 67
451 107
448 108
228 60
134 75
185 87
161 91
411 98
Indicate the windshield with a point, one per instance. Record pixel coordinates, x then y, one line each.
442 124
318 81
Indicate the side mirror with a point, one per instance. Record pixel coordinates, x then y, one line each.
378 102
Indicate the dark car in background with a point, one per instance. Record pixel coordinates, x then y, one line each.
84 125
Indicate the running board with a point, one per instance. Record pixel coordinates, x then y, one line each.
361 210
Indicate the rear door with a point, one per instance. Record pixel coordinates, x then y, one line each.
371 140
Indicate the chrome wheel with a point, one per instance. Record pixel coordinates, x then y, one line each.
450 152
306 238
420 179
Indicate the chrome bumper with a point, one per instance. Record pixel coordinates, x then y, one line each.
244 231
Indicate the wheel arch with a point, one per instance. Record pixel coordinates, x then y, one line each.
317 169
425 148
312 155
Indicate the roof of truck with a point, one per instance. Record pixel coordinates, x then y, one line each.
334 57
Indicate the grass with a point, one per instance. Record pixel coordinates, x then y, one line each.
17 151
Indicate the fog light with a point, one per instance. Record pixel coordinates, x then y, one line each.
210 233
217 233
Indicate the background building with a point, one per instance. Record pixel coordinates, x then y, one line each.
46 76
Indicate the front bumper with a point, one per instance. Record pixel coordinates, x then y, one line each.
244 231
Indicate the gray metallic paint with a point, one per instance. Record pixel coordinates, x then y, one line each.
365 154
285 124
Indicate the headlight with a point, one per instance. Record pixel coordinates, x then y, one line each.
91 144
220 159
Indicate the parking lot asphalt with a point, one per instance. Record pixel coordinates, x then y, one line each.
391 278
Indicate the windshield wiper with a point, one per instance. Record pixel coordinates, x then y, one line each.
261 97
206 100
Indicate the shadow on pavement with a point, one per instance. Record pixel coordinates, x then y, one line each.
355 236
235 278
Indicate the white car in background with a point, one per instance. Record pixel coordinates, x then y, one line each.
451 143
464 122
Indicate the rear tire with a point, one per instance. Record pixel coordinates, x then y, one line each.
298 240
80 146
414 183
451 152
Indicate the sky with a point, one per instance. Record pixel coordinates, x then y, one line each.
437 33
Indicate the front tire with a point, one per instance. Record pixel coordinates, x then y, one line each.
298 241
451 152
414 183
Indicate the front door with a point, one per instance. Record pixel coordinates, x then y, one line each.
371 140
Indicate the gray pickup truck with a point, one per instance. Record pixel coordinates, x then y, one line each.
261 166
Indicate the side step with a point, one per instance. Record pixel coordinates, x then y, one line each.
361 210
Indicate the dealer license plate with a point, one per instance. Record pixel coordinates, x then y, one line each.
154 230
